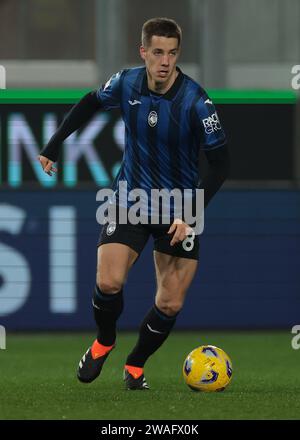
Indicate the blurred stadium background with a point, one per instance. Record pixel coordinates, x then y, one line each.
242 52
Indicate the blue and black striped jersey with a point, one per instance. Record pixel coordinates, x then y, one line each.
163 133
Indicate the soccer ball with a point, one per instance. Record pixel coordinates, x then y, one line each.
207 368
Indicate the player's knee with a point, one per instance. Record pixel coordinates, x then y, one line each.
170 308
109 285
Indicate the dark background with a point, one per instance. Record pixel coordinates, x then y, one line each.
260 138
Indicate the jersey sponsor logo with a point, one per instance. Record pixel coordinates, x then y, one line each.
211 123
152 118
208 101
111 228
135 102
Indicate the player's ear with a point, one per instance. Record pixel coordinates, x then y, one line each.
143 52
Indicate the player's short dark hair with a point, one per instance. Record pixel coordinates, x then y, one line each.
161 27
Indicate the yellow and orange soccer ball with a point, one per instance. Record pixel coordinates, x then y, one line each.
207 368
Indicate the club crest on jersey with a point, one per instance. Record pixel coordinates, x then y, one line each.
152 118
111 228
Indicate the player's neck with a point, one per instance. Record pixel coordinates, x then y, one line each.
161 88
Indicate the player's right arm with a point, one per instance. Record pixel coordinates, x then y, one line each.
107 97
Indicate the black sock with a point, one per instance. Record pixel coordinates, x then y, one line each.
107 309
154 330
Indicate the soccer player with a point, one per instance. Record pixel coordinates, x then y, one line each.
168 117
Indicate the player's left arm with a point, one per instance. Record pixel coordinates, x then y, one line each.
212 139
180 229
219 166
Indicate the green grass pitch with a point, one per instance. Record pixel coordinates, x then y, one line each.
38 379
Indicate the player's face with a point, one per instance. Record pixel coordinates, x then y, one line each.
160 58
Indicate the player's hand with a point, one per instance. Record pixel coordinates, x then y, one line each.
181 229
47 165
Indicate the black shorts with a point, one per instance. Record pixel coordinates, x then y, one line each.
136 237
